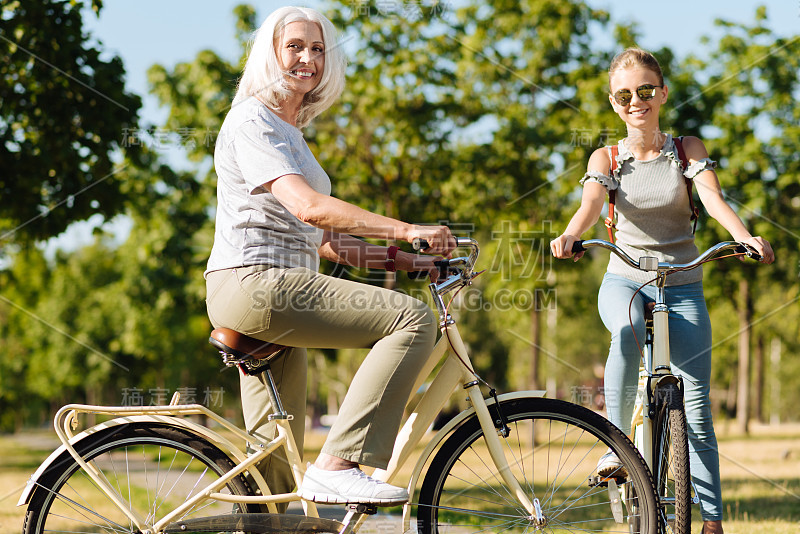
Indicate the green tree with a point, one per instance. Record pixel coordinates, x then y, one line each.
535 86
64 113
109 320
747 108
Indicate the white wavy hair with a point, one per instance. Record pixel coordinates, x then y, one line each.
264 77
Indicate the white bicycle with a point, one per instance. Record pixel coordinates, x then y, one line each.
659 426
514 462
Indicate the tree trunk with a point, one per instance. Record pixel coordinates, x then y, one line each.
758 393
730 399
91 398
552 351
743 396
536 343
775 382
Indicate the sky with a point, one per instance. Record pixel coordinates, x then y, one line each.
145 32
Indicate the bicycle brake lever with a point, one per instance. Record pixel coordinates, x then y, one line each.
748 251
444 271
444 268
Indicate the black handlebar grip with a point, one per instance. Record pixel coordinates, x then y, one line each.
420 244
577 246
417 275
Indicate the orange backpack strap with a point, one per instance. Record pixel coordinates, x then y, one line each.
612 194
689 182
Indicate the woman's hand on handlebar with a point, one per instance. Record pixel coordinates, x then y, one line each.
438 238
561 247
763 247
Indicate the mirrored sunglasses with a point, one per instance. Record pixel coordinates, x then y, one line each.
646 92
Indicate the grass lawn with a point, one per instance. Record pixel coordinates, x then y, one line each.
761 480
760 475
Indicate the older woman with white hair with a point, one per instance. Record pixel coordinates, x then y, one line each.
275 219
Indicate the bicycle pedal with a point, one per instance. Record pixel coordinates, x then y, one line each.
360 508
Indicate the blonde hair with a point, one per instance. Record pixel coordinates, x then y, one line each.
264 77
632 58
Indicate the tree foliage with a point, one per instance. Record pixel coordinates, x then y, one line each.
63 113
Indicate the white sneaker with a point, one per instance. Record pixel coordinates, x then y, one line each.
610 466
348 486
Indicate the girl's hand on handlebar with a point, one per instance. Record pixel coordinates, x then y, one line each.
763 247
561 247
438 238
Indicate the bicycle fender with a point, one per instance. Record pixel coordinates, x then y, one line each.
444 433
222 443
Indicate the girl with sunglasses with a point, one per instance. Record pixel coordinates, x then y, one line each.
654 217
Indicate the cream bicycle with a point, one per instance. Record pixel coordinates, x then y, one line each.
515 462
659 426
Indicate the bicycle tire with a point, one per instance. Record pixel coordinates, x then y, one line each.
148 464
562 442
671 460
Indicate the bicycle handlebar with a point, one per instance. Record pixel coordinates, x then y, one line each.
449 267
650 263
453 271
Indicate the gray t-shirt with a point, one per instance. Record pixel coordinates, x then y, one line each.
653 211
255 147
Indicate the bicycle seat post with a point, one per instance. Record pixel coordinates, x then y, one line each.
274 397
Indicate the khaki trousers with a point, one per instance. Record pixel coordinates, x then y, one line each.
301 308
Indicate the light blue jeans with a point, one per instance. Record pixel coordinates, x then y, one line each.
690 348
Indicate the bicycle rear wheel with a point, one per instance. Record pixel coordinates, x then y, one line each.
552 450
153 468
671 460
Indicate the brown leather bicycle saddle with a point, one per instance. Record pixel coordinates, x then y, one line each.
242 346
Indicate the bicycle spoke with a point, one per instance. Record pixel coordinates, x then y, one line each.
159 463
78 507
461 485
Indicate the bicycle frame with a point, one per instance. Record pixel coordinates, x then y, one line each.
657 367
456 371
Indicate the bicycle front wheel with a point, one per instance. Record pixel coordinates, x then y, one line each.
671 460
152 468
552 450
